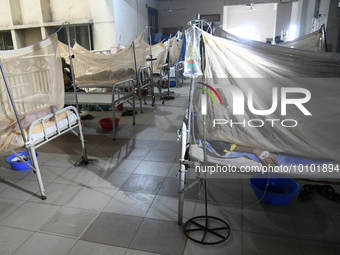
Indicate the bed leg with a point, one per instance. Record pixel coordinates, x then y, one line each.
37 172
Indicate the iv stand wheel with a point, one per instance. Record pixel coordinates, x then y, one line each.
207 230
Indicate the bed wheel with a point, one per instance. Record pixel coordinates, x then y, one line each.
162 102
43 197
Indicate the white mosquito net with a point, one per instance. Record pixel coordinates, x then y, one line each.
174 47
314 41
93 68
159 55
35 80
248 78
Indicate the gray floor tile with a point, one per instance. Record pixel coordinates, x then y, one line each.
167 145
160 237
230 213
90 248
48 173
92 198
143 184
131 153
21 190
42 244
69 222
161 156
121 165
138 252
166 208
11 239
224 192
7 206
75 176
130 203
233 245
261 244
170 188
153 168
112 229
269 220
30 216
317 226
57 194
108 179
319 248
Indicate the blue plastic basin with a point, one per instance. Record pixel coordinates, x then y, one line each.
18 165
281 189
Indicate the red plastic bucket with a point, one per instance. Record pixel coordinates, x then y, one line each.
107 123
120 107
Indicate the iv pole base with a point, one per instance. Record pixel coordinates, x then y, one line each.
207 230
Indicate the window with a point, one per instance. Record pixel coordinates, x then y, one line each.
80 34
153 20
6 42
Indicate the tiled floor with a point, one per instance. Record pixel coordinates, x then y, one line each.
128 202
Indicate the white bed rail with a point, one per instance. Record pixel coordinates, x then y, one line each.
57 128
52 132
145 81
122 91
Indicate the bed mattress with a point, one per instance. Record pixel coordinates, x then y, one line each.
13 140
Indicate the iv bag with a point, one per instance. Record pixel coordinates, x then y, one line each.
192 65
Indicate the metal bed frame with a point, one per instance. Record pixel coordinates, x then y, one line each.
122 92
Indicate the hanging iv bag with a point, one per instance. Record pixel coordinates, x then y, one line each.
192 65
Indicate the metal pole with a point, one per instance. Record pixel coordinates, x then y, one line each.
71 63
149 37
191 96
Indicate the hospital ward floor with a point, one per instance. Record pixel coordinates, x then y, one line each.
127 203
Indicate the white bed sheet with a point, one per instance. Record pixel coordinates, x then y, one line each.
95 98
62 124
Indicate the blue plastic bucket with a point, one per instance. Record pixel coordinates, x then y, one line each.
281 189
18 165
172 83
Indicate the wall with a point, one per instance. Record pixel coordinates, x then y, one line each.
63 10
333 27
30 13
283 17
262 19
15 11
103 28
180 18
131 18
5 16
46 10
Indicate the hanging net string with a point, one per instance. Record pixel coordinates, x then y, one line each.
261 75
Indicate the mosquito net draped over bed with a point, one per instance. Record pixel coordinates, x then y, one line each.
93 68
276 98
314 41
35 81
